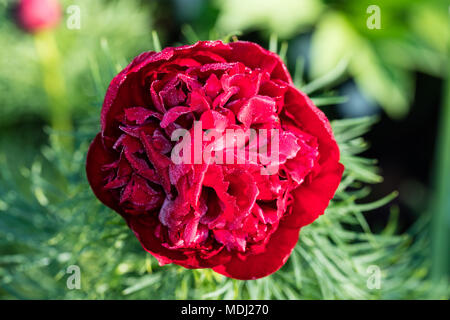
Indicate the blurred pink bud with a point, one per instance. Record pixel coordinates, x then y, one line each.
37 15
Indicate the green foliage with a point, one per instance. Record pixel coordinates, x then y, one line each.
109 21
440 202
49 220
412 37
283 17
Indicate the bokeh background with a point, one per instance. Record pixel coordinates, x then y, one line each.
394 79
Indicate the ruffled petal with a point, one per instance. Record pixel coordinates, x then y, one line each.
275 255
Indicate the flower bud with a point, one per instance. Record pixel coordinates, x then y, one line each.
38 15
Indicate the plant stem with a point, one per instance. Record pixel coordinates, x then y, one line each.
54 85
440 208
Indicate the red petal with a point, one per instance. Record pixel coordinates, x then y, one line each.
140 114
97 158
144 228
277 252
254 56
312 197
257 109
300 109
213 86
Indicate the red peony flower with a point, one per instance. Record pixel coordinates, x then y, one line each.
237 217
37 15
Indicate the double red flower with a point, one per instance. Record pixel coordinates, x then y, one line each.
228 217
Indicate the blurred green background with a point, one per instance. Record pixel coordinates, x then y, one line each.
393 80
